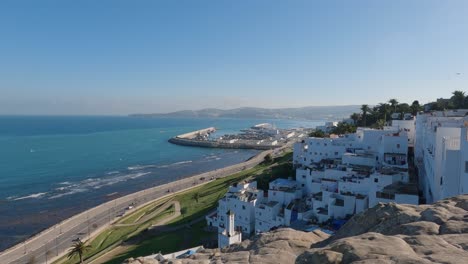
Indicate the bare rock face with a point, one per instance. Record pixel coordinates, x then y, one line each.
392 233
387 233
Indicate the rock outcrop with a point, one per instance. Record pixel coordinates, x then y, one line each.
387 233
396 233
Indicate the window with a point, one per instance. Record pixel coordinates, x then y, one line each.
302 185
243 207
466 166
398 145
336 153
376 180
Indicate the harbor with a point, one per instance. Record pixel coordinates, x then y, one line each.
260 137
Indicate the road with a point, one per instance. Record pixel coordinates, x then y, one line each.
54 242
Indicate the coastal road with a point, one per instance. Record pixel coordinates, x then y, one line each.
54 242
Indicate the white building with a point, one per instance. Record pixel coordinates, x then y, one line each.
274 212
441 154
229 235
346 175
241 199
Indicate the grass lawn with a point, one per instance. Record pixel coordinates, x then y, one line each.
167 242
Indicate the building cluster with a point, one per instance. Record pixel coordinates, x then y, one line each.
340 176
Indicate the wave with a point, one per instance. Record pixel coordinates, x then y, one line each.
181 162
31 196
113 172
141 167
94 183
68 193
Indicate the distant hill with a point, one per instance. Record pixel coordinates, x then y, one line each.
309 113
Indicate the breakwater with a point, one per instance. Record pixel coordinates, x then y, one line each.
200 138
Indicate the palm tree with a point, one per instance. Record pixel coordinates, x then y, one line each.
393 103
415 107
384 109
458 99
78 249
365 109
355 117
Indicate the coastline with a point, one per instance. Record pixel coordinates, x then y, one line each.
35 244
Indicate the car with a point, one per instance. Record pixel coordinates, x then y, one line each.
202 178
130 207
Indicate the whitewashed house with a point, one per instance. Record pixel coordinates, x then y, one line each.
241 199
441 153
229 235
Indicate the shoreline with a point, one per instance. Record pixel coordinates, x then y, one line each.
36 242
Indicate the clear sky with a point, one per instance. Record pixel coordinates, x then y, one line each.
120 57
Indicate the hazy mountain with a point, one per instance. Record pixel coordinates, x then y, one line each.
310 112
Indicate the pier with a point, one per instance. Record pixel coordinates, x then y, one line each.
200 138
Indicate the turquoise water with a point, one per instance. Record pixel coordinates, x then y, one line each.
53 167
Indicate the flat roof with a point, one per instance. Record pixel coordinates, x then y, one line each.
284 183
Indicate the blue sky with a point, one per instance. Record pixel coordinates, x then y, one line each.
120 57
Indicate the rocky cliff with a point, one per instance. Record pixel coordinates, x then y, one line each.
387 233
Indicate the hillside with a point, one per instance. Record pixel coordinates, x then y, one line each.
387 233
308 113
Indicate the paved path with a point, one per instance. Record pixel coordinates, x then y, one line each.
124 248
55 241
145 218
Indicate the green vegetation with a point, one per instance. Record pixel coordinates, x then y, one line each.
168 242
268 159
114 235
340 129
379 115
195 204
141 213
78 249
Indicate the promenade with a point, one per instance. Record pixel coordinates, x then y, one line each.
54 242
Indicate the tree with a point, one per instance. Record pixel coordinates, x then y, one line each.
384 111
403 108
343 128
196 196
355 117
268 159
317 133
393 103
365 109
415 107
379 124
78 249
458 99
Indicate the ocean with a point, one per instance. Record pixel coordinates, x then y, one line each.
52 167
